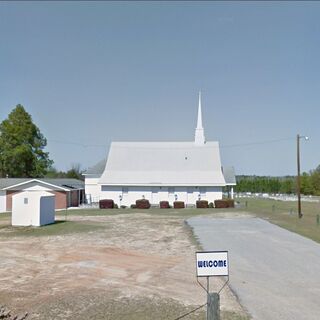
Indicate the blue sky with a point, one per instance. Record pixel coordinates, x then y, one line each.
94 72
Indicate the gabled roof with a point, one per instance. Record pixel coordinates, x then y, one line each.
97 168
229 176
33 194
163 163
62 184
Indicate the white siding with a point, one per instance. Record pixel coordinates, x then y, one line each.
213 193
155 195
3 201
37 187
189 195
33 208
117 195
92 189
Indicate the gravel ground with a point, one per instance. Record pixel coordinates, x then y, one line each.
138 266
276 273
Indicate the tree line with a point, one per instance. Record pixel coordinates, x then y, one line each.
310 183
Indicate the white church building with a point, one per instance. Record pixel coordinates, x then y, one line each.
157 171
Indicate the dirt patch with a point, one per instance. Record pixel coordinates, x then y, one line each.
132 265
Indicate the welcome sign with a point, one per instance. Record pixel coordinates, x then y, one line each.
212 263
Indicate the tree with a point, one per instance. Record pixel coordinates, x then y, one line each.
306 184
315 180
75 172
22 146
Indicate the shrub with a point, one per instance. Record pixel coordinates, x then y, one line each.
143 204
115 206
225 203
220 203
230 203
211 205
106 204
202 204
133 206
123 207
178 205
164 205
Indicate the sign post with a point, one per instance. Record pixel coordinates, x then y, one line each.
212 264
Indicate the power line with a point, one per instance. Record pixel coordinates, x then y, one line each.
246 144
256 143
77 143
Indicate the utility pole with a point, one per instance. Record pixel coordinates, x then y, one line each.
298 177
298 174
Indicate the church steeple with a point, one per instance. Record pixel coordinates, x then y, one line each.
199 134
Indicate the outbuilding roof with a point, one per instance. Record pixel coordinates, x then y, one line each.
163 163
65 184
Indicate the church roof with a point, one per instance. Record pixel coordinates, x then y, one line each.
163 163
229 176
97 169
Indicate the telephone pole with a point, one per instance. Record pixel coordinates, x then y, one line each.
298 174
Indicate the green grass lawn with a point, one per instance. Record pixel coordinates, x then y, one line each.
284 214
280 213
5 215
189 212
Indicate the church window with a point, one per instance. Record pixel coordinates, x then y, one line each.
203 191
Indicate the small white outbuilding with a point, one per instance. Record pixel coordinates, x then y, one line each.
33 208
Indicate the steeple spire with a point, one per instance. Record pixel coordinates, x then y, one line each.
199 134
199 123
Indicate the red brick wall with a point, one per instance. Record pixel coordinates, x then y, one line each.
60 199
74 198
9 199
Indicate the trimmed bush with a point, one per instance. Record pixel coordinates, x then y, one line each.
133 206
164 205
115 206
220 204
201 204
211 205
143 204
123 207
224 203
106 204
178 205
230 203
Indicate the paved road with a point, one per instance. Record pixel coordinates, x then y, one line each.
275 273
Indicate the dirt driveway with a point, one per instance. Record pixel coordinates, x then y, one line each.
127 266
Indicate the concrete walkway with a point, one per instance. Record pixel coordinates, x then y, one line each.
275 273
